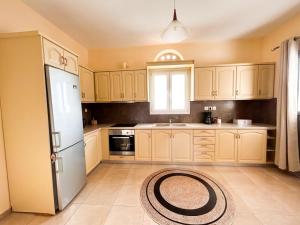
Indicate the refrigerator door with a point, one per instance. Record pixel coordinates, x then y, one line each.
70 173
64 107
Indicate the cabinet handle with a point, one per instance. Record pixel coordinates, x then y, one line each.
259 92
212 93
66 62
61 60
236 92
134 95
216 93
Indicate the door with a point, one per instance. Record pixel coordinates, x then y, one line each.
266 74
143 145
140 86
71 62
53 54
226 145
182 145
252 146
116 86
87 85
246 85
161 145
128 85
91 151
64 108
70 173
102 85
225 83
204 79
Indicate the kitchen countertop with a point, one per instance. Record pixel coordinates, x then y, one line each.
91 128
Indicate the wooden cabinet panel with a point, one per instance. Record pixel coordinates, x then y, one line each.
143 145
116 86
252 146
128 85
87 85
205 133
182 141
53 54
102 85
91 151
204 156
225 83
204 79
140 86
71 62
226 145
161 145
266 76
204 140
246 85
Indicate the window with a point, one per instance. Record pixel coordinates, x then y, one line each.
169 91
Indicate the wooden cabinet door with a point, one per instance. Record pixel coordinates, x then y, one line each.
71 62
143 145
91 151
53 54
226 145
182 145
252 145
140 86
266 76
87 85
225 83
204 79
116 86
246 82
102 85
128 85
161 145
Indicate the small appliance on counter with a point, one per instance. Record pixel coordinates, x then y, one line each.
208 117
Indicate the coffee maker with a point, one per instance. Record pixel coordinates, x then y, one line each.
208 117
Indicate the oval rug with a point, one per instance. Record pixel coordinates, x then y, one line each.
182 196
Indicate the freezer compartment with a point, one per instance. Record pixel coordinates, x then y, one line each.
70 173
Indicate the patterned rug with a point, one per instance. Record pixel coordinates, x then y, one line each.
182 196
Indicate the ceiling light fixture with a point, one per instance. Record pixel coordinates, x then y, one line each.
175 31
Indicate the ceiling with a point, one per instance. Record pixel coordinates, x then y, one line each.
124 23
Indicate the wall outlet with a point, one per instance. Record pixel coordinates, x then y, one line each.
206 108
214 108
85 110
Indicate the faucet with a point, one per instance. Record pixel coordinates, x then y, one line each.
171 120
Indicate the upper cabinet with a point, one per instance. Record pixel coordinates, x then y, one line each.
86 85
102 86
204 82
57 56
246 82
266 75
225 82
128 85
140 86
116 86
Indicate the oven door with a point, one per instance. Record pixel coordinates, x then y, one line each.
121 144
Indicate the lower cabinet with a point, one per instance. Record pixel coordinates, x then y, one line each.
161 145
182 145
143 145
92 150
226 145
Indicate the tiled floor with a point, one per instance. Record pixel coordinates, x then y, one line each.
263 196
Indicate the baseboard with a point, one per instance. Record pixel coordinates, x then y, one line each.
5 213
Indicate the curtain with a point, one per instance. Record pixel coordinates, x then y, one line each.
287 151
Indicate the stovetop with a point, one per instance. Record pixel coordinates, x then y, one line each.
124 125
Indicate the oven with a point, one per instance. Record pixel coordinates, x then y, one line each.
121 142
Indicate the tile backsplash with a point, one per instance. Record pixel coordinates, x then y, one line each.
260 111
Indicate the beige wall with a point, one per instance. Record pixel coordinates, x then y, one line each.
4 195
236 51
15 16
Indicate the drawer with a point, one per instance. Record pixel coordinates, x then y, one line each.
204 140
208 148
204 156
121 157
205 133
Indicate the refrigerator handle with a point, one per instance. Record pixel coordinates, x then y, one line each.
56 139
58 161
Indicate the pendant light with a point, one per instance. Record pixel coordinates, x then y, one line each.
175 31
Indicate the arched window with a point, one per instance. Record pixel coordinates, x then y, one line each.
168 55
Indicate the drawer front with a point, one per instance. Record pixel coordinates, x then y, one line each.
204 140
205 133
204 156
121 157
207 148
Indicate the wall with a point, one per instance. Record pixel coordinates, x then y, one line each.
235 51
16 16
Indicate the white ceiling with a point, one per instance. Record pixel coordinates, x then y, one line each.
124 23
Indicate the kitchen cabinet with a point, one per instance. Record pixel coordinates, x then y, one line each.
246 82
143 145
116 86
57 56
102 86
266 76
128 85
226 145
204 83
182 143
140 86
204 145
92 150
225 83
252 146
87 85
161 145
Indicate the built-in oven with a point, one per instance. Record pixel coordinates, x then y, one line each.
121 142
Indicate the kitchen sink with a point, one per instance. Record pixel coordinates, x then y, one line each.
178 124
161 124
170 124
